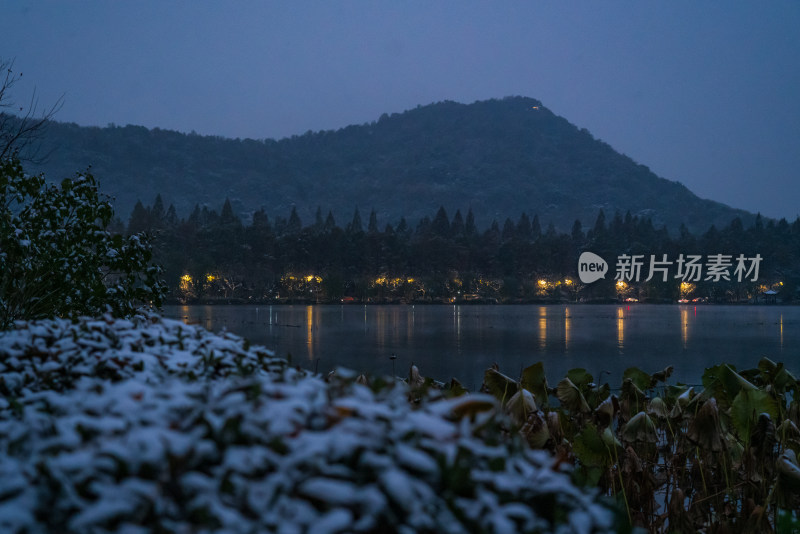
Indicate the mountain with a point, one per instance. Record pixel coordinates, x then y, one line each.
499 158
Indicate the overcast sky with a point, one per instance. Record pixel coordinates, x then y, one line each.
705 93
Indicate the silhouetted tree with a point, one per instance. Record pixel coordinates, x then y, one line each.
441 223
139 220
330 223
470 228
355 226
295 224
536 228
372 226
524 228
457 227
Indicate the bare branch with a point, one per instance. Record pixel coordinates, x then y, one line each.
21 128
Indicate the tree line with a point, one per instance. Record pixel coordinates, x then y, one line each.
215 255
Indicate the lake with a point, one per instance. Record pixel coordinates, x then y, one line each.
462 341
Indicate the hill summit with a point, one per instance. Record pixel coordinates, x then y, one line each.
499 158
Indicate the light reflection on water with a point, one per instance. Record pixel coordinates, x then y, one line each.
462 341
543 329
685 326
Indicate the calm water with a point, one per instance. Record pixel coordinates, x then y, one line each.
462 341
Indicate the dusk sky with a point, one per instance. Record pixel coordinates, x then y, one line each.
707 94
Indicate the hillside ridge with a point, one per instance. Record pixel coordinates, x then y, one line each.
499 158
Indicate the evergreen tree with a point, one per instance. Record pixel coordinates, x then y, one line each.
194 217
402 227
600 224
536 228
441 223
295 224
509 230
355 226
279 226
139 220
758 226
318 222
372 227
227 217
577 232
157 212
617 225
116 226
210 218
423 227
524 228
330 223
171 218
470 229
260 219
457 227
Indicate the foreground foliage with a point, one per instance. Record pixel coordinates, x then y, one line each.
721 459
152 425
57 257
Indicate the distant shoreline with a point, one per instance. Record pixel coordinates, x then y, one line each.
289 302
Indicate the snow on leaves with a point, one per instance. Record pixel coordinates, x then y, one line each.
57 257
118 425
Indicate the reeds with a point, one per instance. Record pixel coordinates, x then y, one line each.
677 458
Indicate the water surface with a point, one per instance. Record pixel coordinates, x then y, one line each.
462 341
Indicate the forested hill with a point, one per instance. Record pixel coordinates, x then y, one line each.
500 158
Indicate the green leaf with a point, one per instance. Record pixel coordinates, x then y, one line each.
723 383
632 398
746 408
639 378
590 449
640 428
534 380
658 408
606 410
596 396
673 392
535 430
499 385
520 406
777 376
609 439
455 389
580 377
570 397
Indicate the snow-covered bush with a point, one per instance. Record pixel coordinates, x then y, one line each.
57 257
152 425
